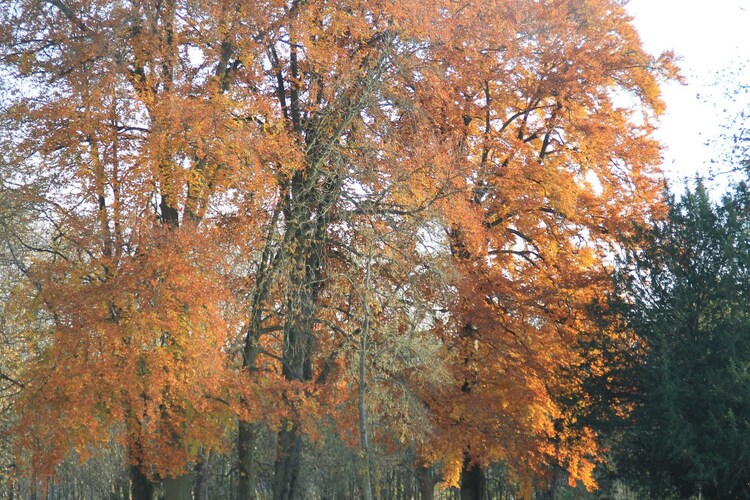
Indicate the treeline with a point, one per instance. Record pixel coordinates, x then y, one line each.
682 287
335 249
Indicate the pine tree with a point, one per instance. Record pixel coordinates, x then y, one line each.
683 288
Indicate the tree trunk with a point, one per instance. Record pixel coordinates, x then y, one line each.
408 487
289 445
178 488
286 469
303 282
140 487
246 447
552 490
248 431
426 483
200 486
365 475
124 491
472 480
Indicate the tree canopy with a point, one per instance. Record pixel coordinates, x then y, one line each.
276 212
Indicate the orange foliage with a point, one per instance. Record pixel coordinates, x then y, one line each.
214 173
137 356
558 172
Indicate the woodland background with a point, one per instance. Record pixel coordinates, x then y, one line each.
358 249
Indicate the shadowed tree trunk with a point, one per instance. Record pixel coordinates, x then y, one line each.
304 244
297 366
140 487
248 431
471 473
246 457
552 490
178 488
200 486
364 331
426 483
472 480
287 466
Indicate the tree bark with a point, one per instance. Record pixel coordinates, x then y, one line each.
248 431
364 444
408 486
552 490
286 468
140 486
426 483
472 480
308 197
365 477
297 366
178 488
304 242
200 486
246 460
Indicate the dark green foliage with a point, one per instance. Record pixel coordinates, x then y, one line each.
684 288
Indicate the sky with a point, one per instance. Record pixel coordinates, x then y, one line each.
711 38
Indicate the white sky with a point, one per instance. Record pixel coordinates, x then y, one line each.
712 37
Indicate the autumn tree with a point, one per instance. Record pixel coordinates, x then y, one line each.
245 198
121 289
558 170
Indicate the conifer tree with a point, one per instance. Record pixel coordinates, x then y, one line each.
683 289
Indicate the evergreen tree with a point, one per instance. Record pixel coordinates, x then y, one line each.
683 289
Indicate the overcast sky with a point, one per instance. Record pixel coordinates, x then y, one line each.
712 38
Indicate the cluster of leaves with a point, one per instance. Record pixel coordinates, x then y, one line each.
386 218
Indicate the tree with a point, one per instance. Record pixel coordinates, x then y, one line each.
217 175
132 337
544 204
683 289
